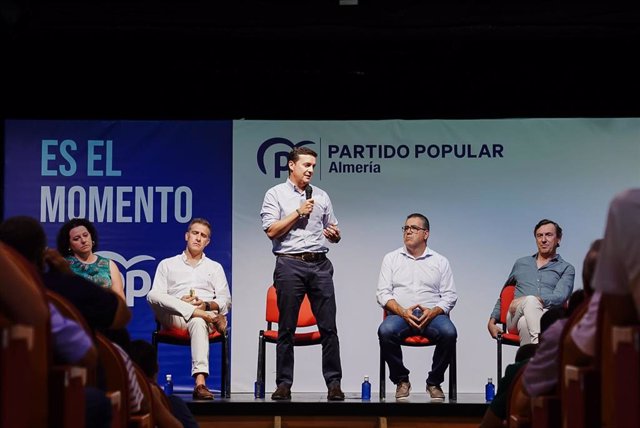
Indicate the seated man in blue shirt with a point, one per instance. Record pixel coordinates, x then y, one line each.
543 280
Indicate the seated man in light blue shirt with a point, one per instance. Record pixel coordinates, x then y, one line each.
417 290
542 281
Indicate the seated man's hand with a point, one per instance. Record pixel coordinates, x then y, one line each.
493 328
428 314
410 318
189 299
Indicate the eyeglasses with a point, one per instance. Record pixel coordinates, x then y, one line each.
413 229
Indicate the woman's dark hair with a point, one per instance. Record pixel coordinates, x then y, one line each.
63 241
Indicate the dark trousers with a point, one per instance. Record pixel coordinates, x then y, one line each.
394 330
293 279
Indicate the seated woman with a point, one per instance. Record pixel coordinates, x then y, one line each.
77 241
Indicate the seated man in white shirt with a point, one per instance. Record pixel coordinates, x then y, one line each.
190 292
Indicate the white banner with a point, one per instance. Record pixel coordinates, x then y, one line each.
483 184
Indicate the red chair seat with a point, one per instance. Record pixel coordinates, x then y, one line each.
182 335
299 339
417 341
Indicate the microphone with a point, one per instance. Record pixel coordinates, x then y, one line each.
308 191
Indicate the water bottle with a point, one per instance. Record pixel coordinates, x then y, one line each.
366 389
489 390
258 389
168 385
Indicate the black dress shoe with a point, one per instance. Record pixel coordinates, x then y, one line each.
283 392
335 393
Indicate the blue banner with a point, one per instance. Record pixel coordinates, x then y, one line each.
140 183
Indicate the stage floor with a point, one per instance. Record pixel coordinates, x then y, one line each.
316 403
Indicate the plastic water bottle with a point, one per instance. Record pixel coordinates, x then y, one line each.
258 389
168 385
489 390
366 389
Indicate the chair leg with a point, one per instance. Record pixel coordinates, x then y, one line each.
225 385
499 344
260 376
453 377
383 378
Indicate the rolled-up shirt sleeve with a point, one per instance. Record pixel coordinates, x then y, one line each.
270 212
448 294
221 287
385 287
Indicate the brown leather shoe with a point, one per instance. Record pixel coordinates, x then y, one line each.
201 392
335 393
283 392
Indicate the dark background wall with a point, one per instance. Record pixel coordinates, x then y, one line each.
313 59
316 59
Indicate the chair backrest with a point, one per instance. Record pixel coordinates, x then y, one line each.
506 297
518 403
149 418
68 309
115 375
305 317
22 301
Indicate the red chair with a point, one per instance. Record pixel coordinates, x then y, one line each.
508 337
176 336
420 341
270 335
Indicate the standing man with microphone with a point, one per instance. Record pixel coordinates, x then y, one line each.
299 220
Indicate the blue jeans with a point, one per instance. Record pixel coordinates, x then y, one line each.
394 330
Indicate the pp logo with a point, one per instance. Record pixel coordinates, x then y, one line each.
279 157
129 282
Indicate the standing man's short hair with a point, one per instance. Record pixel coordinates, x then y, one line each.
295 153
547 221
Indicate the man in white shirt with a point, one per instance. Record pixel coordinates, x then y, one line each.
417 291
190 292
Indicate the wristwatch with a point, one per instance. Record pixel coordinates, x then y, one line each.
300 215
207 306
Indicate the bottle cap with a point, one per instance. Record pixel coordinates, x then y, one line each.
366 377
490 380
168 377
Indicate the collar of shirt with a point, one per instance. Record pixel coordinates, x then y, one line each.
185 259
427 253
555 258
294 187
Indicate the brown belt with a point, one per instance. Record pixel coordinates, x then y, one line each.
306 257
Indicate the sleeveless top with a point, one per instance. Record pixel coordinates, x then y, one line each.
97 272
